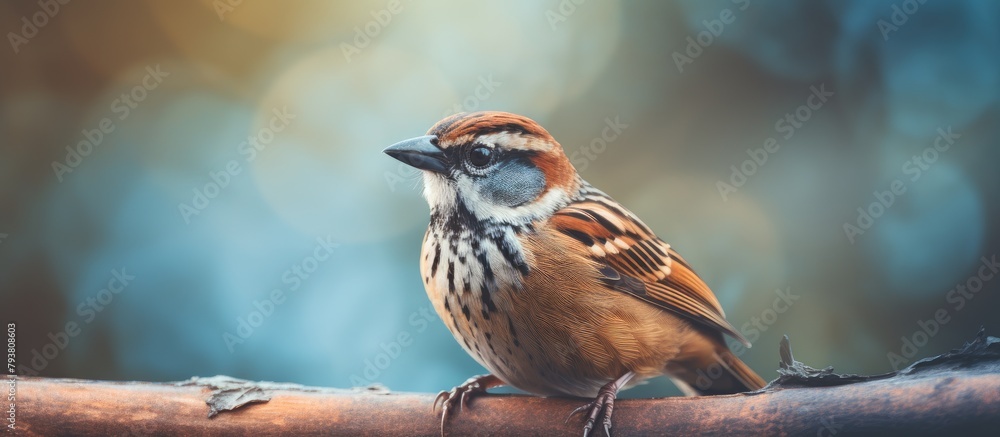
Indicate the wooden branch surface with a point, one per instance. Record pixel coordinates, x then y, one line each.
958 394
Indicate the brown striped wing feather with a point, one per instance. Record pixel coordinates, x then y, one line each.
636 262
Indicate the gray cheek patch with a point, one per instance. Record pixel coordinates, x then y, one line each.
512 183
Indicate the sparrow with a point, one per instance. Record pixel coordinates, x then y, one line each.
549 283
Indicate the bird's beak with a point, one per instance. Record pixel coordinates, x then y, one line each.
421 153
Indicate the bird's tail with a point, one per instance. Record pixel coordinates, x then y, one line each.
716 372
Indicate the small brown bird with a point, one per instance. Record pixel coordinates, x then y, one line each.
549 283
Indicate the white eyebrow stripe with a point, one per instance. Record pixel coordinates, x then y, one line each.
515 141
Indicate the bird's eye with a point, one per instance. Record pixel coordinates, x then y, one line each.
481 156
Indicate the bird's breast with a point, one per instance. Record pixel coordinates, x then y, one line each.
471 280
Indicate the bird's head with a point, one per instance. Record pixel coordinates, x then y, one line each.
496 165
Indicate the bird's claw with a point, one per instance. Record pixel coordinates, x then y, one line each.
460 395
602 406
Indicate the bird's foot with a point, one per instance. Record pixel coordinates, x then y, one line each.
461 394
602 406
604 402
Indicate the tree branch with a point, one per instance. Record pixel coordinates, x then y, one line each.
958 392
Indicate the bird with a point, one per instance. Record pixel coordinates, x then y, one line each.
549 283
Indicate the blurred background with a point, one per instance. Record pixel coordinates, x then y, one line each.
197 187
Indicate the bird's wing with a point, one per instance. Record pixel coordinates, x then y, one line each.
633 260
